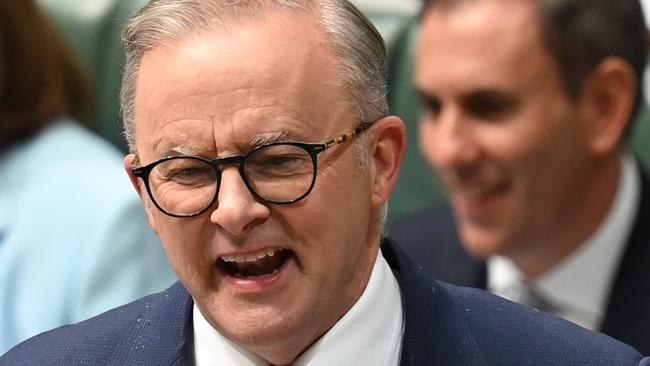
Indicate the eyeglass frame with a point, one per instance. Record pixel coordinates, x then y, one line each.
313 149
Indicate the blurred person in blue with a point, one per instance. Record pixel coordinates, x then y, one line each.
264 153
527 105
74 240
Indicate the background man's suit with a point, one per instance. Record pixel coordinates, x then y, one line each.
431 239
444 325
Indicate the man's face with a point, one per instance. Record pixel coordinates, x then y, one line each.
499 126
220 93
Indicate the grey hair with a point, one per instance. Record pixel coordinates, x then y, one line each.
358 48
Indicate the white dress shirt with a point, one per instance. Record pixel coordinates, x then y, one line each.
579 286
370 333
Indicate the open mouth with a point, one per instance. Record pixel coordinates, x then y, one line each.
262 263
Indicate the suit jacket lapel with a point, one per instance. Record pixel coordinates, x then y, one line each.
627 317
163 333
435 331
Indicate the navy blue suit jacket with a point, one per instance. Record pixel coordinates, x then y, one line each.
444 325
430 237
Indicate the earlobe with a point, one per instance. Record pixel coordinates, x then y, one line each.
387 153
607 101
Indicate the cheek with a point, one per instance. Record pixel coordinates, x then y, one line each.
543 132
529 143
544 154
152 212
325 218
427 142
334 216
184 245
545 163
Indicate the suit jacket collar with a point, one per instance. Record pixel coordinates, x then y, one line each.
627 317
435 330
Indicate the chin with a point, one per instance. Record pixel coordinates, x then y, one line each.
481 243
256 327
277 342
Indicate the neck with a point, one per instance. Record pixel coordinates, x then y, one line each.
594 202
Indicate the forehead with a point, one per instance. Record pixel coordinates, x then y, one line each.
481 43
274 73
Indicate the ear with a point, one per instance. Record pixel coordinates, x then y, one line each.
140 189
607 102
387 151
135 181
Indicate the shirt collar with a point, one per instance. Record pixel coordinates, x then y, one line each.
378 312
573 285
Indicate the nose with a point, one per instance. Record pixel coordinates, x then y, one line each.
449 141
237 208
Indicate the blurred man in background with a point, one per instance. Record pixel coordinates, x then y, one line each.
526 109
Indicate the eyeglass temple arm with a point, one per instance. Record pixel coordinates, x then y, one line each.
348 136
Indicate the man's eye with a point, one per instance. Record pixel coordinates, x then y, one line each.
430 107
491 107
189 175
188 172
285 160
276 166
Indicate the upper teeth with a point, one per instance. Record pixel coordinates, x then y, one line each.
250 257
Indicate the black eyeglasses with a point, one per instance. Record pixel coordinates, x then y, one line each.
278 172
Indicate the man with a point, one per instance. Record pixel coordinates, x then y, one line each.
226 105
525 120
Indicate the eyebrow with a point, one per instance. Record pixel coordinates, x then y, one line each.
268 137
423 95
425 98
257 140
182 150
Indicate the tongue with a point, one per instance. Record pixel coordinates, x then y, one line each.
260 267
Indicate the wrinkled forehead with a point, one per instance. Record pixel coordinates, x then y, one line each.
274 73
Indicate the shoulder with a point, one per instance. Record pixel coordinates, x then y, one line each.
150 323
421 229
66 177
429 220
447 324
70 160
430 238
91 341
70 171
66 138
503 331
